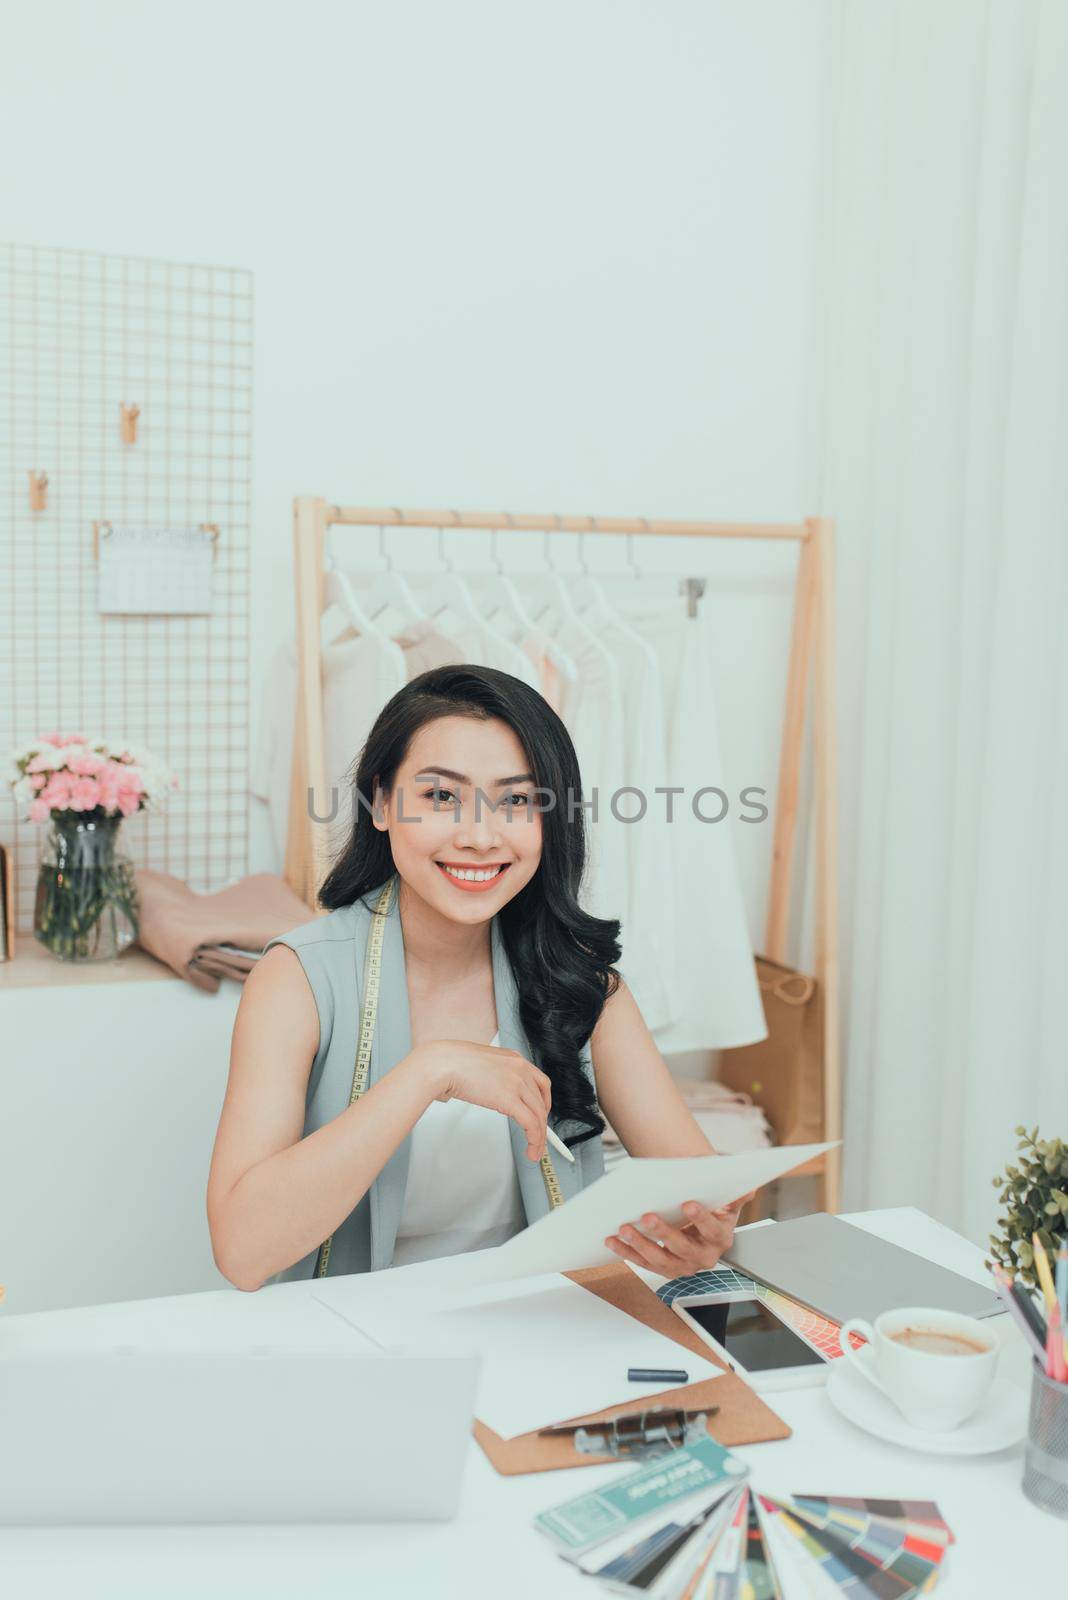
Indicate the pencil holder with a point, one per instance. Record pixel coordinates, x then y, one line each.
1045 1481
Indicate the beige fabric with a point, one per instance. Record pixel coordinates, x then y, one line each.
425 647
190 931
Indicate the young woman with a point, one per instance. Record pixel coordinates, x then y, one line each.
395 1063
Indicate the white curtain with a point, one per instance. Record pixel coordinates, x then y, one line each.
945 460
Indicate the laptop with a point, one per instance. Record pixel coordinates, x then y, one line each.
842 1271
260 1433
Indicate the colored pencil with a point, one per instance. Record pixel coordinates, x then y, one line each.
1055 1347
1045 1276
1004 1289
1061 1285
1030 1312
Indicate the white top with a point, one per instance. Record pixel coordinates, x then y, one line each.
463 1192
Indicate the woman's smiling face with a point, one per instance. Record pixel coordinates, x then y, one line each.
462 819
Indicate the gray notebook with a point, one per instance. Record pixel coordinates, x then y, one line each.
846 1272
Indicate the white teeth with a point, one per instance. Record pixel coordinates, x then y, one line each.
471 875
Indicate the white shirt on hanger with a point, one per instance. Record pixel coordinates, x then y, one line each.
462 1192
425 645
361 672
536 645
359 675
648 957
716 999
592 711
483 646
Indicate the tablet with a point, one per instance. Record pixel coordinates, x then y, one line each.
752 1339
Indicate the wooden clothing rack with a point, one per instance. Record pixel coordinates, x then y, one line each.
812 650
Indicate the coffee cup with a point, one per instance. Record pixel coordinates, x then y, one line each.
936 1366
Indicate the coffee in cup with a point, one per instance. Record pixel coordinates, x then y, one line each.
937 1343
936 1366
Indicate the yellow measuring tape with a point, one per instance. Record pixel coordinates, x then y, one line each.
372 978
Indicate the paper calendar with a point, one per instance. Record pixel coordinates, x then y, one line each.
166 571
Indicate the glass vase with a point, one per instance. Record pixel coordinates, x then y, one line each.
86 907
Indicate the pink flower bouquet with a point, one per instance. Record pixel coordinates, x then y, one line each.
86 907
65 772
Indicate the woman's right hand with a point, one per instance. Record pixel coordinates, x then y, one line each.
487 1075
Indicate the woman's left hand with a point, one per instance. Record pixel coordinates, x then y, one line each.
678 1251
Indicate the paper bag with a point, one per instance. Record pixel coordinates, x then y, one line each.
784 1072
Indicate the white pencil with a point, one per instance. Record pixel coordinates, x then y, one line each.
559 1146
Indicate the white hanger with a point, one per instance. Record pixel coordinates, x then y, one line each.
449 592
339 594
505 602
595 606
502 594
391 588
559 594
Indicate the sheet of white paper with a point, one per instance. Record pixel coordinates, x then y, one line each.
573 1236
550 1350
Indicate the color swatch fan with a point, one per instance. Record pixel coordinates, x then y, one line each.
687 1527
883 1549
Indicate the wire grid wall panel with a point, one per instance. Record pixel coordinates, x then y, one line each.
82 335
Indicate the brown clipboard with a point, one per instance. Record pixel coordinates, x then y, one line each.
743 1417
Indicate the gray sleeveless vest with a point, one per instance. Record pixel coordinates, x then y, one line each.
331 951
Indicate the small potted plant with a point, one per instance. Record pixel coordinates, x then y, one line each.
86 905
1034 1194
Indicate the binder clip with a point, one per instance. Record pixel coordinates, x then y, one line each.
640 1435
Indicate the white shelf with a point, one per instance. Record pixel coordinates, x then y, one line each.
32 967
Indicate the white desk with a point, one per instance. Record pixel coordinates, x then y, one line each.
491 1550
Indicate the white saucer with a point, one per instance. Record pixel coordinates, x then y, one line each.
1001 1420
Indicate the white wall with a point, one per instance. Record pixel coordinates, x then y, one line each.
560 256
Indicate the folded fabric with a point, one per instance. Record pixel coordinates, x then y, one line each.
728 1119
206 937
211 959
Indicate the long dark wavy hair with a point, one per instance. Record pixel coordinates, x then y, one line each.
562 957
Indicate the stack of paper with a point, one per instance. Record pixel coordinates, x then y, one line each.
687 1527
574 1235
550 1350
